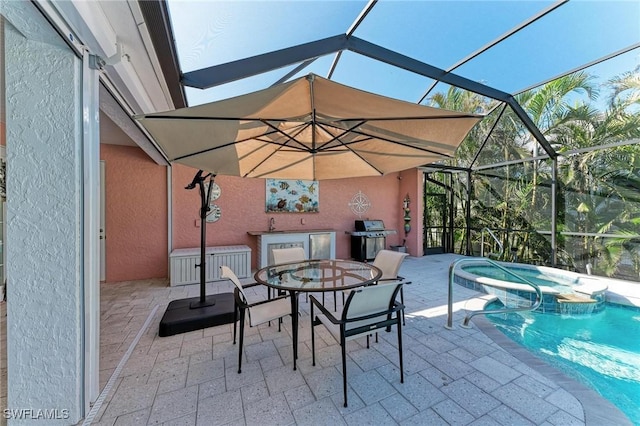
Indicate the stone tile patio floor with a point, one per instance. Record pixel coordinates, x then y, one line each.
456 377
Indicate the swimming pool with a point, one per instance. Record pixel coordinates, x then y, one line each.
601 350
562 291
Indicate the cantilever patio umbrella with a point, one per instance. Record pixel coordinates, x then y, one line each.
310 128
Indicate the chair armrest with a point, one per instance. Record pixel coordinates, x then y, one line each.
403 280
396 279
324 310
251 285
262 302
396 307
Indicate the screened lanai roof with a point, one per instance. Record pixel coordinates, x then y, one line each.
406 50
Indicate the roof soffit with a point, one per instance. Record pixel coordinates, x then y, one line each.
114 31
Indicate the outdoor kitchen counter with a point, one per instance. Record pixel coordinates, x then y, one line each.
317 243
289 231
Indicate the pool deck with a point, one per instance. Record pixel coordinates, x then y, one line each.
473 376
623 293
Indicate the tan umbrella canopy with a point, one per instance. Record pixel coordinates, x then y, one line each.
309 128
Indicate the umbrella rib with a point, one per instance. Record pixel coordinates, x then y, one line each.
273 170
430 151
282 145
346 145
215 148
369 137
349 148
363 159
337 137
275 130
289 137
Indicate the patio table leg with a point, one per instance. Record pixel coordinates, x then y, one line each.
293 295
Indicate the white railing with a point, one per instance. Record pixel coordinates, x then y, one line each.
490 232
468 317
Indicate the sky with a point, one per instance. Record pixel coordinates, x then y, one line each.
439 33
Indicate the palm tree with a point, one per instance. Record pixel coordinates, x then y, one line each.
597 180
548 106
601 185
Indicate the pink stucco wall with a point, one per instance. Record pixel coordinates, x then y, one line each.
243 209
136 214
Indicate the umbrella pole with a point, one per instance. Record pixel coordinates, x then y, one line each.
204 209
196 313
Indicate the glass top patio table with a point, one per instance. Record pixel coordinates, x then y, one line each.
318 275
315 275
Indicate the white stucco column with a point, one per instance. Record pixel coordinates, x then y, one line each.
45 219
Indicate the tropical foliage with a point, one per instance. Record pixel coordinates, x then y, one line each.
598 175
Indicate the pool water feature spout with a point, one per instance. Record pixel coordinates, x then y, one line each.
573 304
577 308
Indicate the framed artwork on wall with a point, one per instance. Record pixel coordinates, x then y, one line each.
292 196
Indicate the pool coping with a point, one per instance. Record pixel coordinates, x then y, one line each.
597 409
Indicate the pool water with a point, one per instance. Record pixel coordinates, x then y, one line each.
601 350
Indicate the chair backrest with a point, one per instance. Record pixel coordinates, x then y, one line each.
389 263
226 272
370 300
288 255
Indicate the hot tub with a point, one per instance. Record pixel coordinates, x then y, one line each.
563 292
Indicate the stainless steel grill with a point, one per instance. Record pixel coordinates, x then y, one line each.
368 239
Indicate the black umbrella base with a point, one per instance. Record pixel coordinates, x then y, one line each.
186 315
